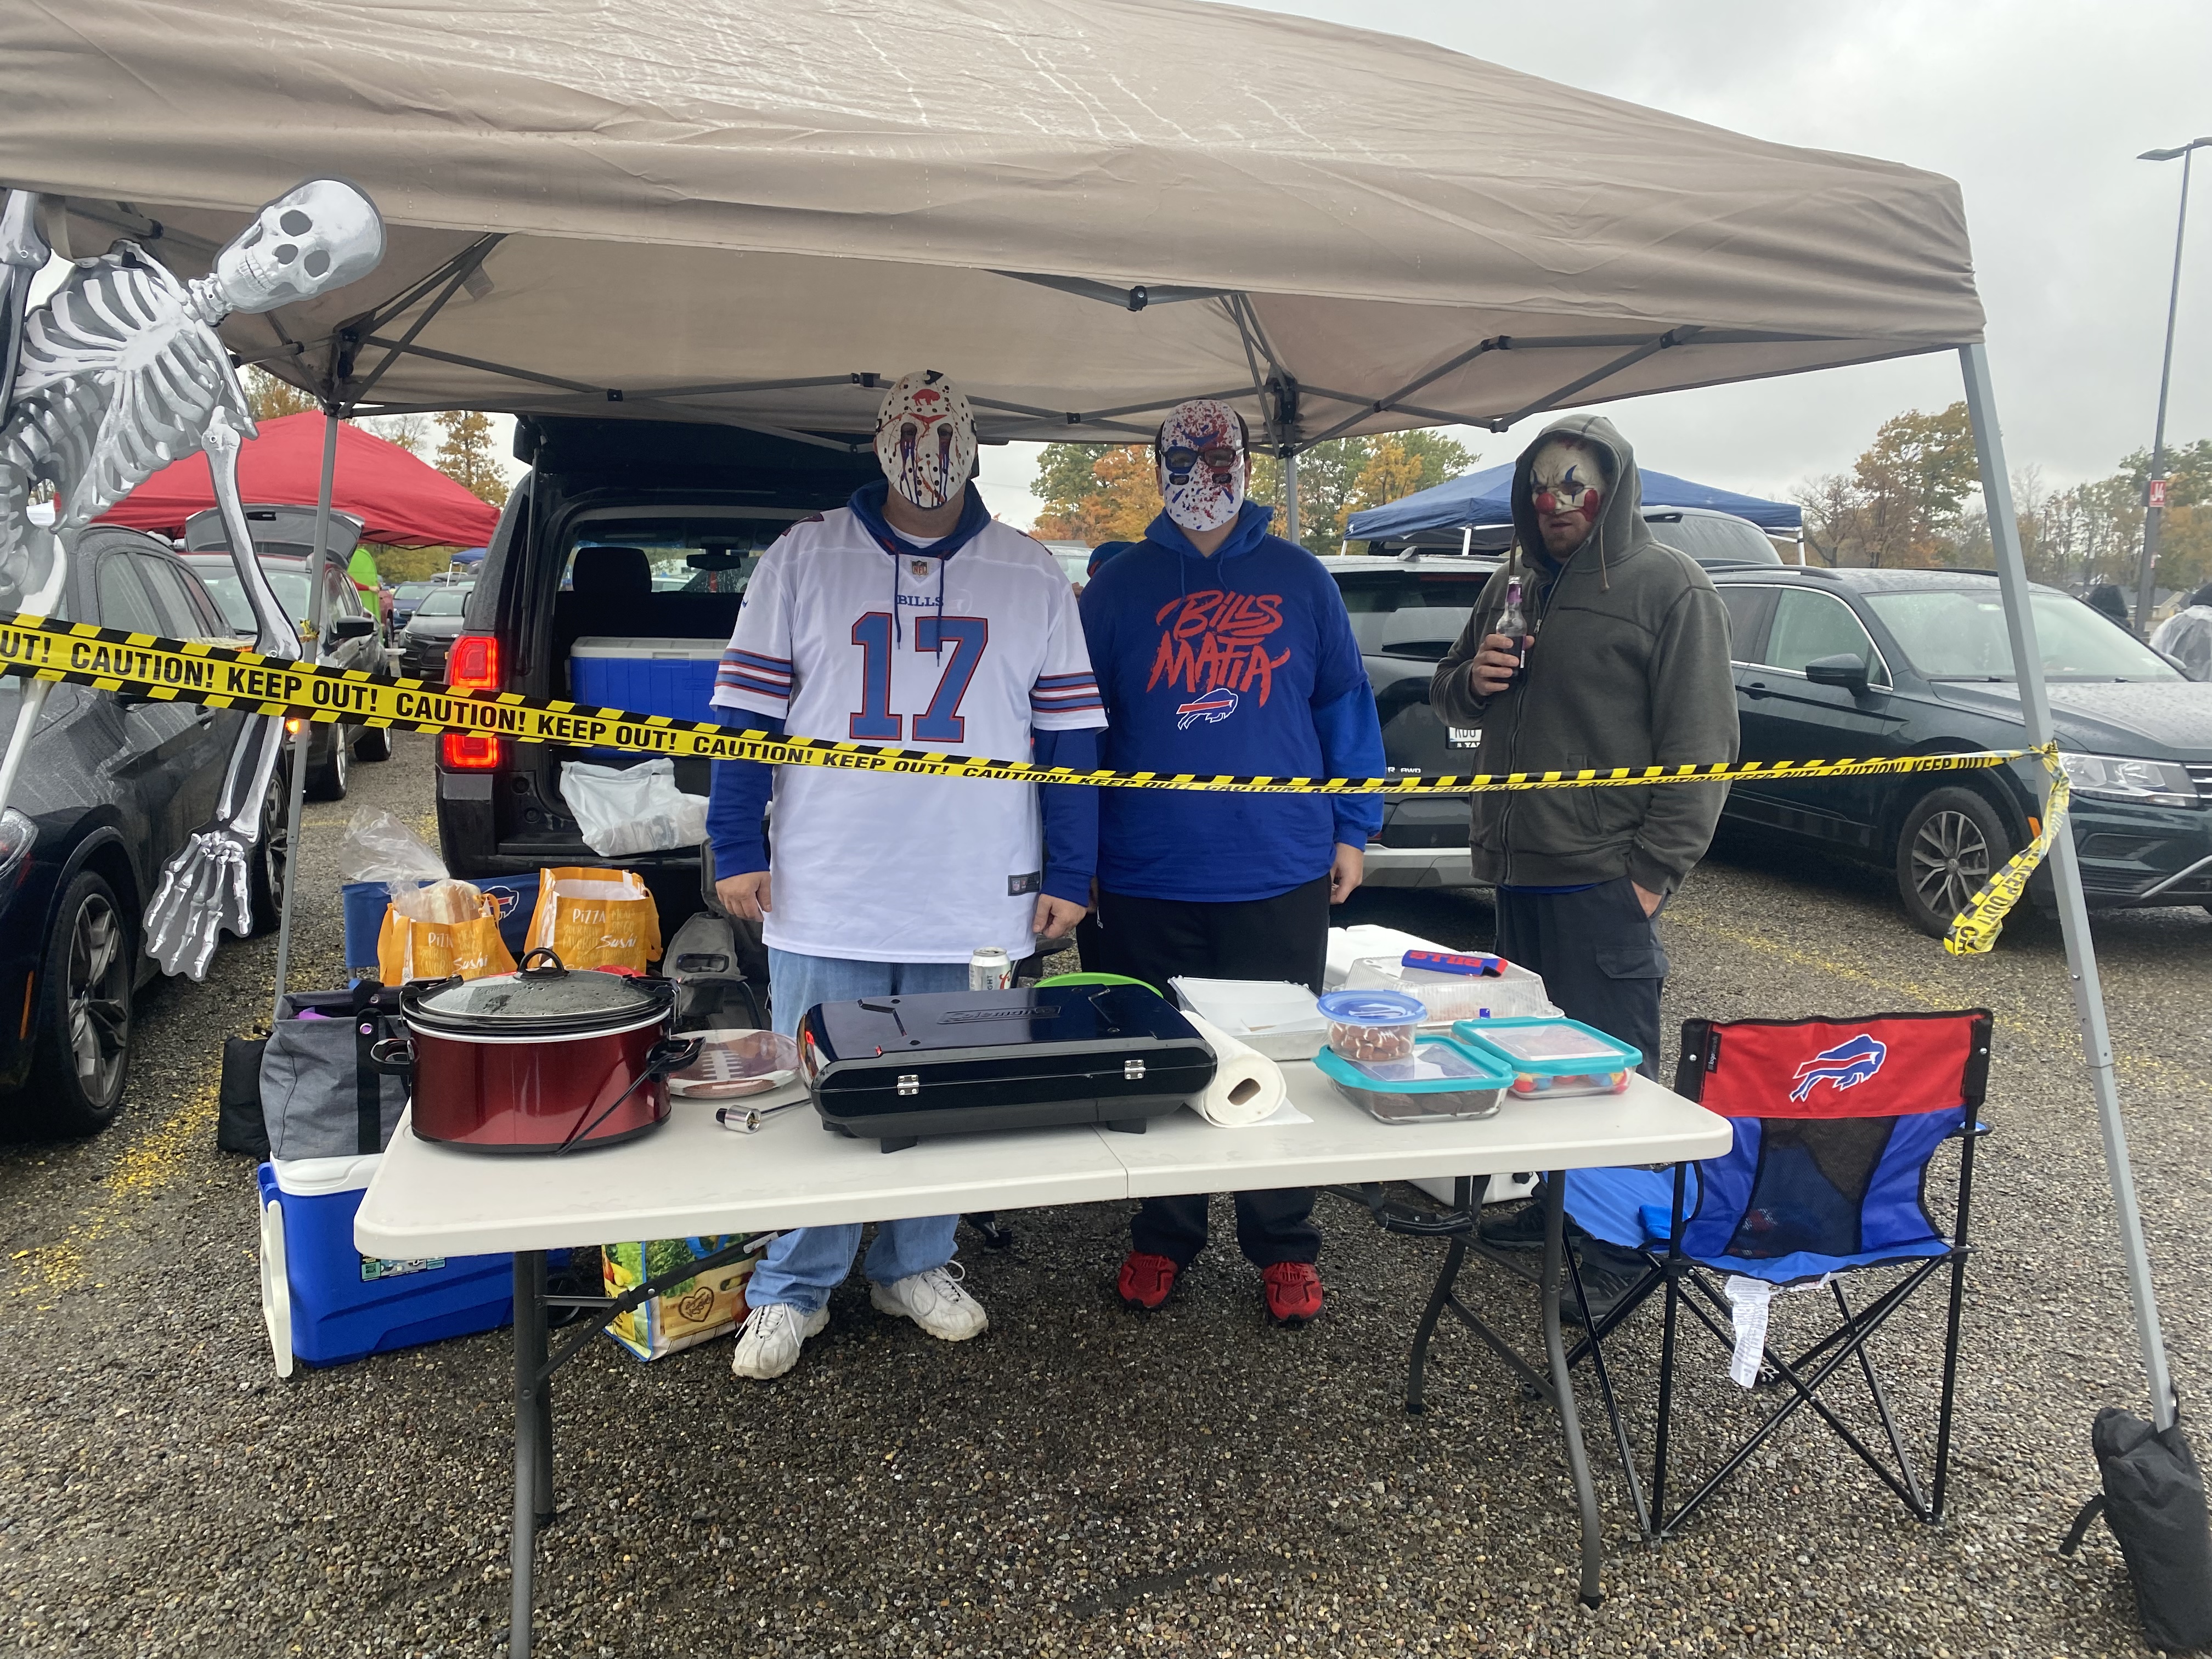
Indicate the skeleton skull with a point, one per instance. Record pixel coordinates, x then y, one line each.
320 236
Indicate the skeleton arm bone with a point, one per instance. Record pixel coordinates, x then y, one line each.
275 634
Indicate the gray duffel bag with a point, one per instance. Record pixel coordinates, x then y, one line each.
321 1097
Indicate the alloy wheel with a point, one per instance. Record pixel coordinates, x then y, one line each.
98 997
274 850
1950 860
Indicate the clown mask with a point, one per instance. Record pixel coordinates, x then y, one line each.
1565 487
1202 465
925 438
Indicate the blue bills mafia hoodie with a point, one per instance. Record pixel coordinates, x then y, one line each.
1243 662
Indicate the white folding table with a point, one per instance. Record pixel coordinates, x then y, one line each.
693 1178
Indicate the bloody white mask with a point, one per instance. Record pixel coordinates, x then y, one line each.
1202 465
1564 478
926 438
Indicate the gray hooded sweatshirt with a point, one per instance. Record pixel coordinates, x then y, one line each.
1630 668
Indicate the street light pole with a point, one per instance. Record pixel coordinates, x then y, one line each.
2155 498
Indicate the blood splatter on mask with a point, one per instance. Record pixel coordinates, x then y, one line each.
926 438
1565 478
1202 465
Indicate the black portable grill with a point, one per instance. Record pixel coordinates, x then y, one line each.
895 1068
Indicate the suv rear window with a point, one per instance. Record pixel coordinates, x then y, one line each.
726 548
1409 613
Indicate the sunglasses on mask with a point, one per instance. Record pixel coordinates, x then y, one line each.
1220 458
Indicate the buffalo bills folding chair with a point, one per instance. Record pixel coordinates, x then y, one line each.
1836 1121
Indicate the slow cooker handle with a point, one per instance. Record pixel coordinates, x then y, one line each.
392 1056
556 971
669 1055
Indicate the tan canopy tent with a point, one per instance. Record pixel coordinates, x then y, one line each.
1084 210
732 208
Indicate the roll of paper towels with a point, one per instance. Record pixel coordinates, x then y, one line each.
1247 1087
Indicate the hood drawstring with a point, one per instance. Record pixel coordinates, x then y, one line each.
898 628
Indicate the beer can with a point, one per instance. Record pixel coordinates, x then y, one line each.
989 970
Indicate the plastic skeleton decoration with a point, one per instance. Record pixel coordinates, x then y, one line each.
926 438
119 373
1202 465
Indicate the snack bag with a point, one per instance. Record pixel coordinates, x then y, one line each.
445 929
596 919
690 1311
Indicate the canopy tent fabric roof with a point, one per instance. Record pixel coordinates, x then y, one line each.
782 199
400 501
1483 497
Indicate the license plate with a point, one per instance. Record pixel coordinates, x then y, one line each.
1463 737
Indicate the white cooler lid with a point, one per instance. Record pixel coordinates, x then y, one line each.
632 650
318 1177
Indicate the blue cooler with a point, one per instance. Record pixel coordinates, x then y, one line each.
675 677
325 1302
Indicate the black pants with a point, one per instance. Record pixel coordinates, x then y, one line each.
1598 955
1283 938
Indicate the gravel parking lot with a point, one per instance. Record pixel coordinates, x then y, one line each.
1080 1480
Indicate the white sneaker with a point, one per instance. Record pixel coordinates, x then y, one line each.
935 1301
769 1345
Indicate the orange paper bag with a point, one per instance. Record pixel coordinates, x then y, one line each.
596 919
471 947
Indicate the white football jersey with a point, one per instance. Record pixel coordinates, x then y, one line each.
849 642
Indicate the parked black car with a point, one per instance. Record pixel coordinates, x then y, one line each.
1406 613
351 637
430 631
1837 663
111 787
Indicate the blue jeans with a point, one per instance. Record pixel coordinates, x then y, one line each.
802 1267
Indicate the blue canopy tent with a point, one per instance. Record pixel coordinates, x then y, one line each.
1481 498
470 556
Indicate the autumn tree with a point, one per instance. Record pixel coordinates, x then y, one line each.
1903 502
465 454
1110 492
268 398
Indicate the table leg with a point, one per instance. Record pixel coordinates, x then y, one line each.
1563 1387
530 1435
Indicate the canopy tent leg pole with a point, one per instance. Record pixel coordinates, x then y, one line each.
296 784
2066 880
1291 495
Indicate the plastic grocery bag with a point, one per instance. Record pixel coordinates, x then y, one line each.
596 919
377 846
444 929
637 809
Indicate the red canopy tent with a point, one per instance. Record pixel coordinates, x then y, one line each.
403 503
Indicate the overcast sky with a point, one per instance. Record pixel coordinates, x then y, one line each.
2037 107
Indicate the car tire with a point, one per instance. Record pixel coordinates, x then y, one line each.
328 780
272 857
1951 841
374 744
80 1058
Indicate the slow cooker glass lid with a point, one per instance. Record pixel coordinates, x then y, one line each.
582 994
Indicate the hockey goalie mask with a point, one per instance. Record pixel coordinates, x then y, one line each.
1565 480
1203 467
925 438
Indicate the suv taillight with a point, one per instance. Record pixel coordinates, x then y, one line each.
472 666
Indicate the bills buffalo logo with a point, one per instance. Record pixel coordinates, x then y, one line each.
1216 705
1213 640
1845 1066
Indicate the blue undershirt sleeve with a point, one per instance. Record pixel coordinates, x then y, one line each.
1071 815
737 805
1352 747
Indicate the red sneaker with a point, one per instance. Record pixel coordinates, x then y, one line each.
1293 1292
1147 1279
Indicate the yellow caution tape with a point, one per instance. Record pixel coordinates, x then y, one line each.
225 677
1974 930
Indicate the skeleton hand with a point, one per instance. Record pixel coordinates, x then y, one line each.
205 888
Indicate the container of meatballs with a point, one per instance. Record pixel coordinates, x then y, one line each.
1373 1025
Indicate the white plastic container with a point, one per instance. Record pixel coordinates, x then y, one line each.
1517 994
1270 1016
1348 945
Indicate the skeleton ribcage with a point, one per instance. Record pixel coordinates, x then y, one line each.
117 378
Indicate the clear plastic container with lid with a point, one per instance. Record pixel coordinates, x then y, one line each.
1372 1024
1553 1059
1440 1079
1513 993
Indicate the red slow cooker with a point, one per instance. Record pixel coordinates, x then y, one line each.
541 1060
